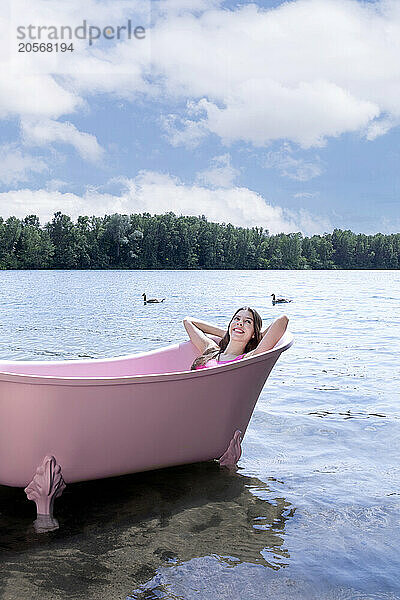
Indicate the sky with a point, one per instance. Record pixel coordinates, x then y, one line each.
282 115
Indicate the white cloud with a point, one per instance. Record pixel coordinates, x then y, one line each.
302 72
34 95
42 203
30 91
262 111
380 127
220 174
55 185
46 131
181 6
305 71
184 131
290 166
386 226
310 224
157 193
16 166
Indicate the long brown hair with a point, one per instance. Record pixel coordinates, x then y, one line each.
251 344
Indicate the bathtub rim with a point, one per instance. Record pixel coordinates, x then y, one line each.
7 376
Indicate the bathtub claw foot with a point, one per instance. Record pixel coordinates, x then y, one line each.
47 485
45 523
234 451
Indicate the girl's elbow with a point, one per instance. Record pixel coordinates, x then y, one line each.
283 320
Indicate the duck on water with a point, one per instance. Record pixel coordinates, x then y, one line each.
276 300
152 300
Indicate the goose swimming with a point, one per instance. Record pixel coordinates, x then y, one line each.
152 300
276 300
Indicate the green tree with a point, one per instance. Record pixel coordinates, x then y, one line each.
35 248
62 235
10 233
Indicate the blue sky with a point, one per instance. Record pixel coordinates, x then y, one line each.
282 115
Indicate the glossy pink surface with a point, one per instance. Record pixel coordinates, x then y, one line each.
109 417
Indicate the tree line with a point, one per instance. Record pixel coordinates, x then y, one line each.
144 241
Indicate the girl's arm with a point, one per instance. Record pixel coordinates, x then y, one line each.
197 329
206 327
265 330
271 335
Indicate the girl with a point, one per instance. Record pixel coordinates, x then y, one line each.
243 338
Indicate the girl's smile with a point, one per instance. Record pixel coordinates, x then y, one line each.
242 326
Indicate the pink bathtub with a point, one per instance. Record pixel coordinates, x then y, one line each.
74 420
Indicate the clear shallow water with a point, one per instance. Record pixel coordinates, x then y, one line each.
312 512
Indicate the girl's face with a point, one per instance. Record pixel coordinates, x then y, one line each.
241 327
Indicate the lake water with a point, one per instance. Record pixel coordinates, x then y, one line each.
313 510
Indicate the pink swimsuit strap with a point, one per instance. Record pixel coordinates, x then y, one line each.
213 362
